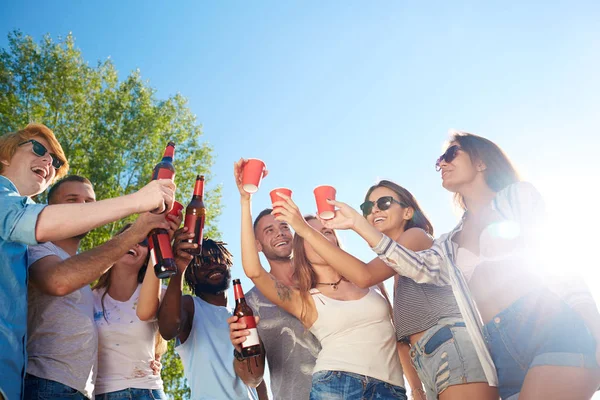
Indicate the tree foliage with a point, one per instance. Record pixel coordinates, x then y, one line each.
112 130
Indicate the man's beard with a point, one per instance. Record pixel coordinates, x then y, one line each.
209 288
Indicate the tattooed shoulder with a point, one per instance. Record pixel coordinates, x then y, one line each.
283 292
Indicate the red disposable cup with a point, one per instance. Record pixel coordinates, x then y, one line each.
322 194
275 197
177 206
252 174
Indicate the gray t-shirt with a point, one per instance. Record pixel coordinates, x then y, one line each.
291 349
62 343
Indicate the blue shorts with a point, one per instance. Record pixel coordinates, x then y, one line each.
338 385
445 356
133 394
40 388
538 329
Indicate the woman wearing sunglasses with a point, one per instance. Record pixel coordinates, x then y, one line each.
535 339
127 346
358 357
30 160
426 316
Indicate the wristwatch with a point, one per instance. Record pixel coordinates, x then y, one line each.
238 356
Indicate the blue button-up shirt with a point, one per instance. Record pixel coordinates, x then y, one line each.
18 217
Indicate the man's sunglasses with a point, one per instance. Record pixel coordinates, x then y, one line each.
448 156
383 203
40 151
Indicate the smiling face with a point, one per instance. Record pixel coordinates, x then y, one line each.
274 238
392 219
30 173
135 258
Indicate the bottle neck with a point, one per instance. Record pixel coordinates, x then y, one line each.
169 152
238 293
199 189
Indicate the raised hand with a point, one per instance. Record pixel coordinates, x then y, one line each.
174 223
238 171
145 222
286 210
157 196
345 216
180 244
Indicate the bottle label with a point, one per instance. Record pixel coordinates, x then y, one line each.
164 173
165 245
252 339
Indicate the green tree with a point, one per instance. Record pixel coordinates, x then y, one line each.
113 131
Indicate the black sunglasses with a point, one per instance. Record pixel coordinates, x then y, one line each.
144 243
40 150
383 203
448 156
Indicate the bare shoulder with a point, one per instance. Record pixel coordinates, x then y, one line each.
415 239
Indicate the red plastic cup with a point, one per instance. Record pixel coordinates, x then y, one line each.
322 194
275 197
252 174
177 206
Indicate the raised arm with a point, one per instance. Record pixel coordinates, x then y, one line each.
283 296
56 277
62 221
176 312
424 266
147 307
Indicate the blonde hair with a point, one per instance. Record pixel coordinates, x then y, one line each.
10 142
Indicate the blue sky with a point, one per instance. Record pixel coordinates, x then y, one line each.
349 92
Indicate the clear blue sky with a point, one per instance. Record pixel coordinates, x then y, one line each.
349 92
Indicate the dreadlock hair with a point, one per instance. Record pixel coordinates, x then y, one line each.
213 253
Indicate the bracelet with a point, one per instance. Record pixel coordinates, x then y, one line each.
238 356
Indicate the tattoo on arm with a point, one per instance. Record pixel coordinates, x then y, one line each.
284 292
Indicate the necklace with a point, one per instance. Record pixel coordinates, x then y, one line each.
334 285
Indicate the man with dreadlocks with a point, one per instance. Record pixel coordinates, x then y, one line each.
199 322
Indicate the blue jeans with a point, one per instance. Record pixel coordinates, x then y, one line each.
445 356
338 385
133 394
45 389
538 329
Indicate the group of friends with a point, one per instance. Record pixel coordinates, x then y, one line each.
474 313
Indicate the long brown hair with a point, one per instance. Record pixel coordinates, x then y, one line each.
419 219
304 274
104 281
499 172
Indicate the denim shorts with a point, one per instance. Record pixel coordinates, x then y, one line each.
133 394
538 329
339 385
46 389
445 356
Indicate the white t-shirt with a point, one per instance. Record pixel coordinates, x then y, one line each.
125 345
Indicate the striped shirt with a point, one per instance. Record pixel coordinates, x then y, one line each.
519 205
419 306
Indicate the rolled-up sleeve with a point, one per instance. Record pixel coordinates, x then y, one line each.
427 266
18 218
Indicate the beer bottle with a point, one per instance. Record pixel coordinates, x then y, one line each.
251 346
159 243
195 213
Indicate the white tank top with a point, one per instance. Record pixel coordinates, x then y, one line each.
357 336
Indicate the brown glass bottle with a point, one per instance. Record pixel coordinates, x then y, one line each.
159 243
251 346
195 214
